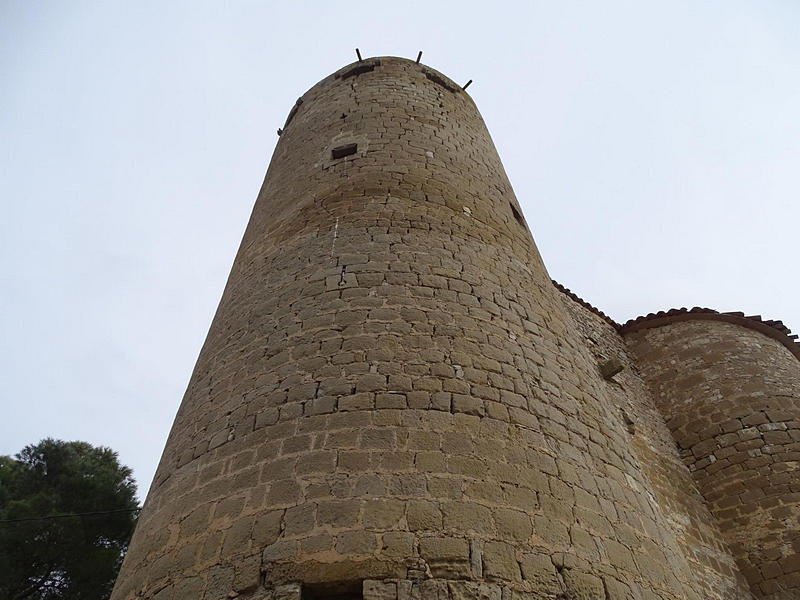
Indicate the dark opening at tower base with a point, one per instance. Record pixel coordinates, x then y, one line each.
340 590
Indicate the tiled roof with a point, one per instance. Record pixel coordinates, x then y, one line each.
585 304
772 328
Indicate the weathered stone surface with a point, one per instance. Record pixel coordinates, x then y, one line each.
379 590
424 515
247 573
291 591
393 391
735 434
583 586
446 557
538 570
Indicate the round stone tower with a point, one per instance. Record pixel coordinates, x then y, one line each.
729 389
392 401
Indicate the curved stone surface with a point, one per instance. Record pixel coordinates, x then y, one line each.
393 391
731 397
774 329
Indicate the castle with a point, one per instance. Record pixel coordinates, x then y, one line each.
396 402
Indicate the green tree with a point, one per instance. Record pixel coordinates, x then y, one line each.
67 512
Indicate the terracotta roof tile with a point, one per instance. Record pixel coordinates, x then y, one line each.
772 328
585 304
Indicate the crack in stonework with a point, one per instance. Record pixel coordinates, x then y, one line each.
335 235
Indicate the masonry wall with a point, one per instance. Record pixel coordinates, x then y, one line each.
393 391
692 538
731 397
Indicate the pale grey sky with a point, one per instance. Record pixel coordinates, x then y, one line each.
654 147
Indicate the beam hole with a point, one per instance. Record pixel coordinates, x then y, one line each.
517 215
345 150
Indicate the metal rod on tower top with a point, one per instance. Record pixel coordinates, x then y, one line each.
358 54
419 56
466 85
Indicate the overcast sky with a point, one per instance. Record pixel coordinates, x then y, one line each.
654 147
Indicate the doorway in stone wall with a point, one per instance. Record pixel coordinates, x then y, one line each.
339 590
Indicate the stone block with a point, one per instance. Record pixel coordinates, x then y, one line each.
552 531
283 492
337 514
539 571
267 528
279 551
316 543
398 545
379 590
219 582
356 542
467 516
423 515
382 514
512 524
447 557
471 590
371 382
247 573
468 405
500 562
616 590
189 587
299 519
583 586
289 591
237 537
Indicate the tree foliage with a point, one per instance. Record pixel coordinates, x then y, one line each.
67 512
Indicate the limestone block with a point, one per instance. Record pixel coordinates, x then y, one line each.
446 557
539 571
583 586
379 590
500 562
289 591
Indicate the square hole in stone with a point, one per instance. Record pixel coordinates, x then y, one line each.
345 150
439 81
517 215
358 69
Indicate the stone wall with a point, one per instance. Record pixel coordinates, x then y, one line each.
686 520
393 390
731 397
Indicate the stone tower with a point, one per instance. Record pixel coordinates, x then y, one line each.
395 402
